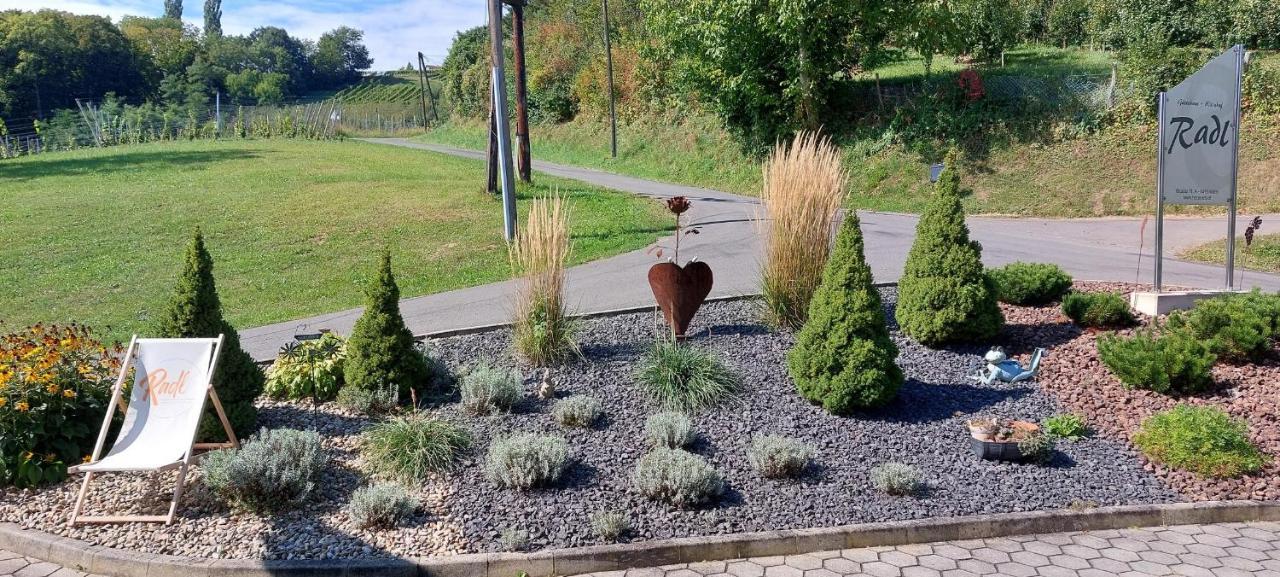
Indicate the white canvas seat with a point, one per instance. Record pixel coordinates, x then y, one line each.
161 419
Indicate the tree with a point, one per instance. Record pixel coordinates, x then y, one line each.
989 27
931 31
164 47
381 351
271 49
340 56
196 312
212 18
944 294
843 358
173 9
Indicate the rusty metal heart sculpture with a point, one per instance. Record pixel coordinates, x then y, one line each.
680 291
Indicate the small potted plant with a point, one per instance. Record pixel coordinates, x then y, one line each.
1007 440
679 289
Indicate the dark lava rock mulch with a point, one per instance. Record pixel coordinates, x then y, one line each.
923 427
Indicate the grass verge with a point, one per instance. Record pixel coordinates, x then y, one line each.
1264 255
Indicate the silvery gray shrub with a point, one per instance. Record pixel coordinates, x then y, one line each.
670 429
274 469
776 456
577 411
896 479
609 526
527 460
486 389
677 477
513 539
381 505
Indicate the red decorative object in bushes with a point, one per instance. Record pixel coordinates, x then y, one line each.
971 85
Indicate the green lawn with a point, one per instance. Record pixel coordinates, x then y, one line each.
1024 60
97 236
1264 255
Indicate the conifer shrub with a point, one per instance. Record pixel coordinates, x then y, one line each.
1204 440
1173 363
1239 327
381 349
944 294
1030 283
843 358
1097 310
196 312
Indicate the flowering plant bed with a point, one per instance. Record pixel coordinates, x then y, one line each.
599 492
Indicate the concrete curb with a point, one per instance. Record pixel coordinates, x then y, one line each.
82 556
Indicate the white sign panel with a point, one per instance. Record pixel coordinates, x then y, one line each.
1199 120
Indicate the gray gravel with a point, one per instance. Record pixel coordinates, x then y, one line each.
923 427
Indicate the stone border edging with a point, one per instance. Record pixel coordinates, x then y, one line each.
82 556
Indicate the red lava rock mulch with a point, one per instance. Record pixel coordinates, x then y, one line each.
1072 371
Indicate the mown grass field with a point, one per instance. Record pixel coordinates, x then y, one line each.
97 236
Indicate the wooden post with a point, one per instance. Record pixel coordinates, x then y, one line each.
426 80
608 63
422 91
522 97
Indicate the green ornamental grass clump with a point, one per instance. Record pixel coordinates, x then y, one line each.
1239 327
682 377
1030 283
1097 310
408 448
1203 440
381 349
945 295
196 312
843 358
1172 363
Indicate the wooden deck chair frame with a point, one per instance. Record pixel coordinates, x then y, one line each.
183 465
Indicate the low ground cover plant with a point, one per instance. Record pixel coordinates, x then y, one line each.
487 389
1038 447
543 331
577 411
844 359
55 383
897 479
273 470
381 350
514 539
1173 362
1201 439
409 448
670 429
1097 310
1239 327
610 526
383 505
775 456
308 370
1069 426
526 461
1026 283
677 478
375 401
683 377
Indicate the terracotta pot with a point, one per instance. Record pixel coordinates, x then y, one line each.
680 292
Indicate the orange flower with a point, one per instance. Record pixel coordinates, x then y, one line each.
3 402
22 406
70 394
53 389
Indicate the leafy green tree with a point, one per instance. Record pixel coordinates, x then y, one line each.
465 72
944 294
164 47
843 358
212 18
931 31
340 56
196 312
173 9
381 351
989 27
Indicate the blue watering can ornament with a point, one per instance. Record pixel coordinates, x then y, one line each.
999 367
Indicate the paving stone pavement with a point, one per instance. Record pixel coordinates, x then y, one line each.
1222 550
1225 550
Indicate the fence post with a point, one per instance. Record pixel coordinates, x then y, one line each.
879 95
1111 88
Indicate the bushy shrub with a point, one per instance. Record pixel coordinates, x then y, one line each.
945 294
610 526
55 383
526 461
409 448
195 312
1204 440
677 478
381 350
1238 327
309 370
897 479
670 429
577 411
1174 362
1037 447
373 401
487 389
685 378
775 456
542 331
843 358
274 469
1069 426
1026 283
382 505
1097 310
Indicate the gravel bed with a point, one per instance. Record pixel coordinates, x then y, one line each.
923 427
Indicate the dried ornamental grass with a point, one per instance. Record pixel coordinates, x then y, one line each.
804 186
543 332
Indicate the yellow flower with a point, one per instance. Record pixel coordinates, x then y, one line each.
86 458
70 394
27 456
53 389
22 406
3 402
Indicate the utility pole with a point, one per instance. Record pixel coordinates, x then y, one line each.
498 84
422 90
426 80
608 63
522 97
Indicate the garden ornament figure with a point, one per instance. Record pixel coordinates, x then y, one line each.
1000 367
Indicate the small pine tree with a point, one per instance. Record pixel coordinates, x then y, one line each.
945 294
196 312
381 350
843 358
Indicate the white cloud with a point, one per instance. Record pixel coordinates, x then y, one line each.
395 30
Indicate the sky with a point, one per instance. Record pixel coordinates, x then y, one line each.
394 30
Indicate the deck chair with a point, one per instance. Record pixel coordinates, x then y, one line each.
161 419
